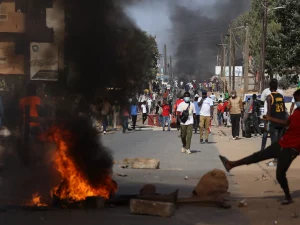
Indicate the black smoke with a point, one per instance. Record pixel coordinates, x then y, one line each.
198 31
196 27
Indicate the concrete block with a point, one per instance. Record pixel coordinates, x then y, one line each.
153 208
142 163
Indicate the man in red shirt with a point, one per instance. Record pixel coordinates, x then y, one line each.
285 150
220 112
166 111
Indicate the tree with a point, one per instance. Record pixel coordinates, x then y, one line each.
289 35
106 49
282 47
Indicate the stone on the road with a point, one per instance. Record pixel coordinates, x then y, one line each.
142 163
148 189
145 207
213 183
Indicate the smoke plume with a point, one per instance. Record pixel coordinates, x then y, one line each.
191 29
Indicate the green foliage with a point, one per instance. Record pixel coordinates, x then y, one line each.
138 59
282 47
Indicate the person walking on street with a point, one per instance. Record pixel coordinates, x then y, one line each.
125 116
106 109
166 111
144 111
206 115
177 103
158 112
220 112
116 113
276 109
263 98
149 102
213 97
133 114
285 150
197 116
186 112
235 106
255 115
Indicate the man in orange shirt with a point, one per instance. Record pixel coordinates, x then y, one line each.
33 102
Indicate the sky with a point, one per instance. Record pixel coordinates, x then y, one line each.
191 29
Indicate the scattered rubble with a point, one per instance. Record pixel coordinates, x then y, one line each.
121 174
243 203
295 214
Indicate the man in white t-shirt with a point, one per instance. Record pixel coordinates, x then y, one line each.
213 97
206 114
149 102
187 126
144 111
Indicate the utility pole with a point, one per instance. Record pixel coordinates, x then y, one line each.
224 61
233 66
246 62
171 69
165 60
263 46
230 55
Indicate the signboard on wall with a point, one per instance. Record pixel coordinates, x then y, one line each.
43 61
10 63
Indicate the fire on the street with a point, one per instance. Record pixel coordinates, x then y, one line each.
75 186
36 201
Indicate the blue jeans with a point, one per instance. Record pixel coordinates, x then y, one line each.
220 118
166 119
275 133
104 122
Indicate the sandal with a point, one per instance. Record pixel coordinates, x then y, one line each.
287 202
224 160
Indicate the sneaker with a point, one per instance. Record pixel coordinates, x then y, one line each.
183 150
201 140
104 132
234 138
188 152
206 141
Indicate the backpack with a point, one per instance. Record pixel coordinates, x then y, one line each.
185 114
160 110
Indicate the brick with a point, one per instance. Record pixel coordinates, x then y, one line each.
153 208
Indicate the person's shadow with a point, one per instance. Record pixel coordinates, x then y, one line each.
195 151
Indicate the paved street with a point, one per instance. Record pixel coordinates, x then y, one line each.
174 165
245 182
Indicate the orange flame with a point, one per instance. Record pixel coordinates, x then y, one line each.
74 185
36 201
